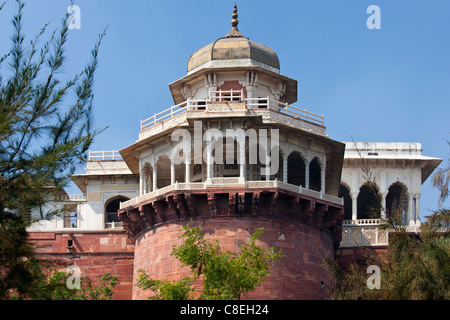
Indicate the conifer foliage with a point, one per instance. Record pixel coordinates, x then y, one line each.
46 128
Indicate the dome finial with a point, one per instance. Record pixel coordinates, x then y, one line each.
234 22
234 32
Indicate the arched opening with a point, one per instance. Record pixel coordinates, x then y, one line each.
279 173
111 208
252 160
163 171
296 169
263 162
147 171
368 202
198 168
344 192
315 175
230 166
198 172
396 200
270 163
179 166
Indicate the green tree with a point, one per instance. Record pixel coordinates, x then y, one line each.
46 128
166 290
441 180
415 267
225 275
54 287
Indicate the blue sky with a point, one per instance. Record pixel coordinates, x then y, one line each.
391 84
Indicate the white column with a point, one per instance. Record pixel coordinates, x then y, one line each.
409 214
322 178
141 182
383 206
187 177
145 186
155 177
172 172
307 174
354 206
243 165
249 91
417 217
209 162
285 168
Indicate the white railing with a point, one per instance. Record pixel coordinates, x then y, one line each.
225 180
226 95
104 155
309 192
73 197
149 195
260 184
230 96
113 225
190 186
290 187
196 105
284 108
362 222
165 115
231 181
356 236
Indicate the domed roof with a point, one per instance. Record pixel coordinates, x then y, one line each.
234 50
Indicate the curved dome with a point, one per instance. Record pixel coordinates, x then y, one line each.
234 50
244 52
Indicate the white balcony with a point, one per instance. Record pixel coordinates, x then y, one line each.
368 232
106 163
367 235
232 103
104 155
231 182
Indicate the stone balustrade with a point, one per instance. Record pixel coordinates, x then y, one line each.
355 235
267 107
231 182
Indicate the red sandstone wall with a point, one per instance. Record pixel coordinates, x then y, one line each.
95 253
297 276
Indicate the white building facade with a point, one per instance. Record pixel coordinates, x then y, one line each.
380 179
235 84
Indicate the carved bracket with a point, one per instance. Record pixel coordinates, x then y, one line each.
320 214
241 203
255 203
181 205
158 206
273 204
172 206
231 203
212 203
147 213
308 210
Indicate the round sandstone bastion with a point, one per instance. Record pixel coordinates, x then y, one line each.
299 275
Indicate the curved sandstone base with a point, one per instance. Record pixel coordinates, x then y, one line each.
299 275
